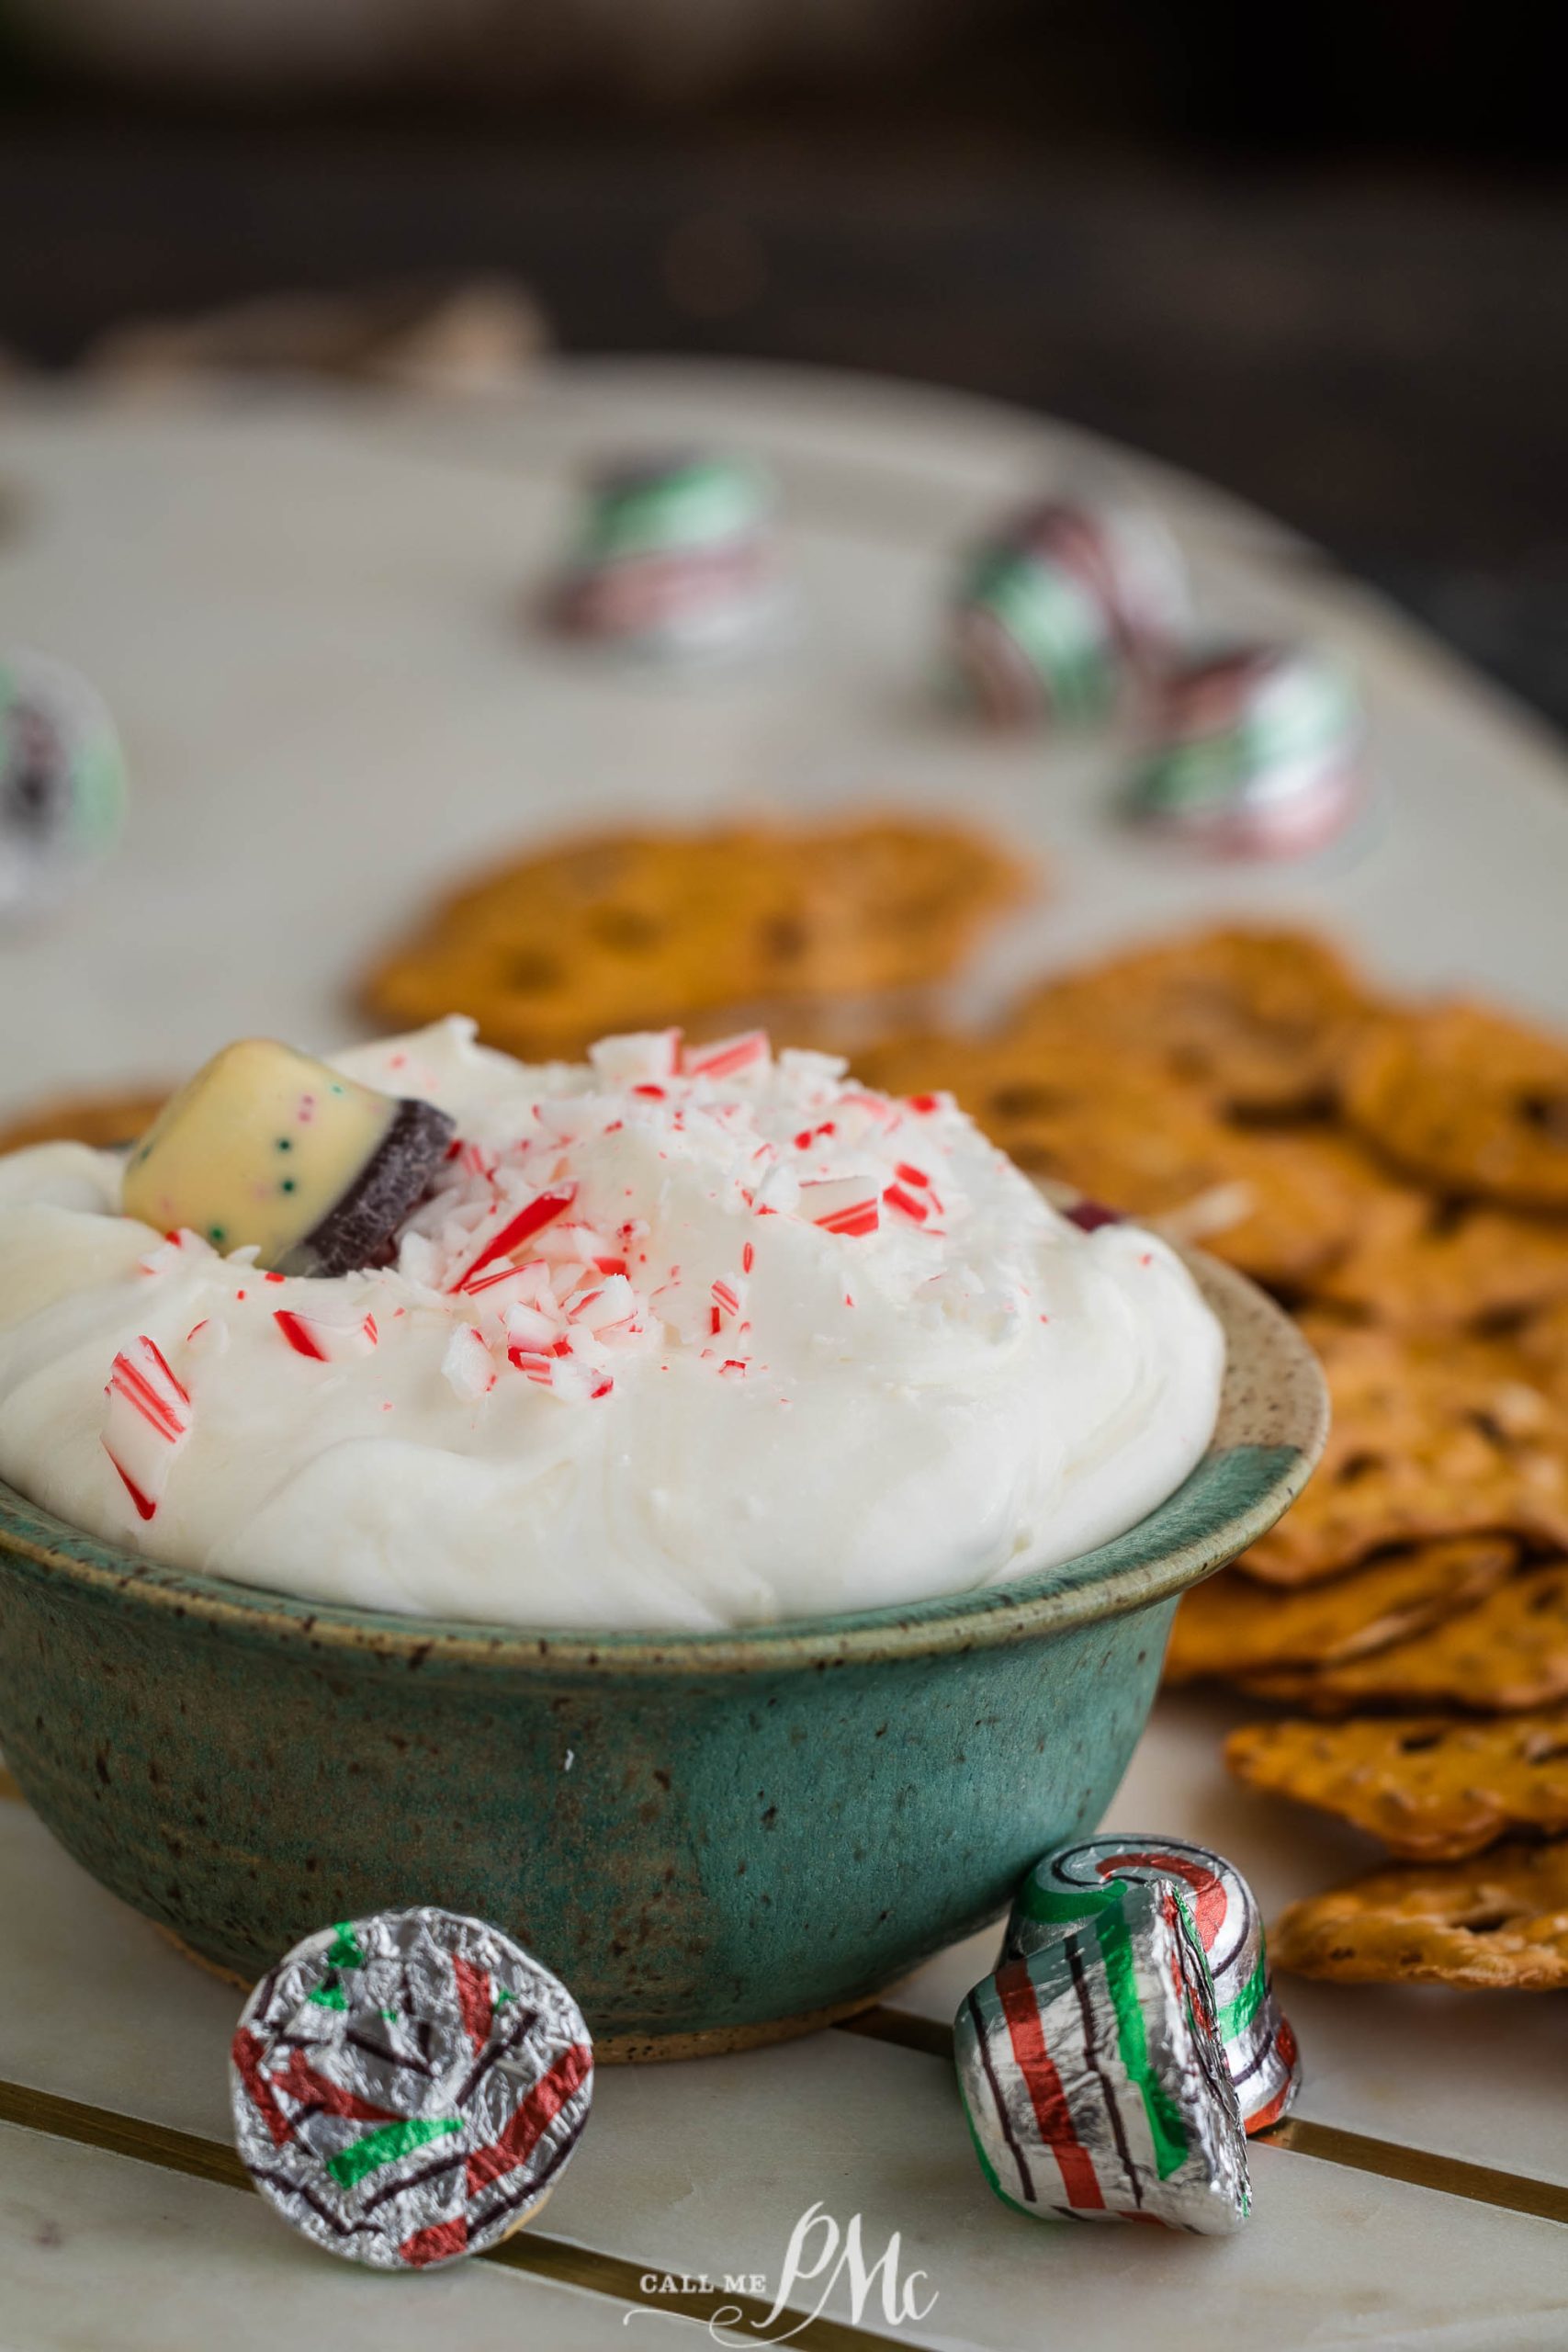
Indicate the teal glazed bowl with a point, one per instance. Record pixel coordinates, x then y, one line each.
716 1840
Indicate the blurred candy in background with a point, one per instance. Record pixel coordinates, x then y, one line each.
1336 290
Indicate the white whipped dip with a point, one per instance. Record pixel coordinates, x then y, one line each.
776 1346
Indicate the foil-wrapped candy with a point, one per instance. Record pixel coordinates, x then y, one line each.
1260 2046
63 780
1251 750
1093 2075
675 557
1059 606
406 2087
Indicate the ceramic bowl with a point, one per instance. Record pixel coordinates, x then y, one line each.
717 1839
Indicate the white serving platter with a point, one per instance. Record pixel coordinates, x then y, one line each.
309 615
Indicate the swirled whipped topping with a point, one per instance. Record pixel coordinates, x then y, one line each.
677 1338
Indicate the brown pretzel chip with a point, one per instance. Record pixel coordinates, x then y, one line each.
1232 1625
1256 1020
1116 1126
1315 1195
104 1119
1426 1441
640 931
1431 1788
1543 1344
1469 1100
1451 1270
1498 1921
1504 1654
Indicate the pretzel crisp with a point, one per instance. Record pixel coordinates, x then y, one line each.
1431 1788
1469 1101
1508 1651
1427 1440
1232 1625
1497 1922
103 1119
633 931
1256 1019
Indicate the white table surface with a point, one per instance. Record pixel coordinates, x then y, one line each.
305 614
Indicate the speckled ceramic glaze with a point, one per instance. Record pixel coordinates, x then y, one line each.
714 1840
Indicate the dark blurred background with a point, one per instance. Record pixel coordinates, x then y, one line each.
1319 257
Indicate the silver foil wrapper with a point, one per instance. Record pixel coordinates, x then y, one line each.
1260 2046
63 782
1252 749
406 2087
1094 2080
677 557
1062 605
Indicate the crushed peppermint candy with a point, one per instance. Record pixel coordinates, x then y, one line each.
550 1242
147 1419
682 1336
327 1335
528 1233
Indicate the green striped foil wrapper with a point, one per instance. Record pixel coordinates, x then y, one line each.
407 2087
1076 1880
1093 2076
666 506
1250 741
63 778
675 556
1061 606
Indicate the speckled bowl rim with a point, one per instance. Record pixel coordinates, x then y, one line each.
1274 1401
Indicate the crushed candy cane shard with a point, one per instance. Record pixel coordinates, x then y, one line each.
729 1057
327 1337
265 1147
518 1228
147 1418
650 1054
1092 2074
735 1308
844 1205
407 2088
1259 2045
467 1367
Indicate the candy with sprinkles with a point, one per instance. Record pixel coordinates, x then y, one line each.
407 2088
265 1147
1062 606
1260 2046
1251 750
675 555
1093 2073
63 780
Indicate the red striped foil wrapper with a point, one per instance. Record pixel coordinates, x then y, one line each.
406 2087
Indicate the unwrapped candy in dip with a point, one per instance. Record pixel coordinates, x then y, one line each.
678 1339
268 1148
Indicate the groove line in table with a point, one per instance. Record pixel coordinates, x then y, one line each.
1514 2192
1327 2142
555 2259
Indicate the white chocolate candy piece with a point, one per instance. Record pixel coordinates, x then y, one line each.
266 1148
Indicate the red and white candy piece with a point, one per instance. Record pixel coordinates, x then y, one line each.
147 1419
510 1230
843 1204
468 1366
728 1057
327 1334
